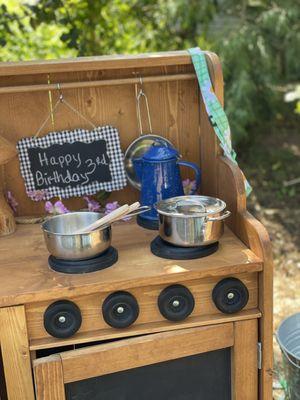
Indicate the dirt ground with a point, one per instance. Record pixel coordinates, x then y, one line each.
268 165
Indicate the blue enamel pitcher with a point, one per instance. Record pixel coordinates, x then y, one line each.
159 174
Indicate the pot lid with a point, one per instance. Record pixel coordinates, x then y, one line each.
160 153
190 206
136 150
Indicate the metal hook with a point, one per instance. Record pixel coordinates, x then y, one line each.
140 94
61 97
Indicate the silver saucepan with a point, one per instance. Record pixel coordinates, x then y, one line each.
63 243
190 221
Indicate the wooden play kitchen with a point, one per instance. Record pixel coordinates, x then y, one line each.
148 326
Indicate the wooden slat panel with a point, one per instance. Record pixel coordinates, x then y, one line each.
245 371
174 108
48 376
15 353
95 63
132 353
91 305
136 330
231 189
254 234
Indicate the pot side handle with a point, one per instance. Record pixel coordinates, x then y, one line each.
220 217
197 171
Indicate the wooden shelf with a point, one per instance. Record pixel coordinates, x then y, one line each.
26 277
95 63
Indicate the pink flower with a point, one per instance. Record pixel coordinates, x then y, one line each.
109 207
188 186
49 208
12 201
57 208
93 205
37 195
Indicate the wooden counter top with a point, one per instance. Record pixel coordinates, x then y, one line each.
25 276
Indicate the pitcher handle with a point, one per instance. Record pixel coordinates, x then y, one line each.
197 171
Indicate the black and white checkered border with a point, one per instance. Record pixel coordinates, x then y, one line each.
108 133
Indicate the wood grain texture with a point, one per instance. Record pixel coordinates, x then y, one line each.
15 353
136 330
231 189
7 219
174 107
91 305
94 83
132 353
34 281
245 372
48 377
95 63
254 235
7 151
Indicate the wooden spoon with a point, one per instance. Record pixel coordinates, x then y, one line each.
132 208
123 210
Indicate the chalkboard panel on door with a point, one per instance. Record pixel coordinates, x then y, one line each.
202 363
204 376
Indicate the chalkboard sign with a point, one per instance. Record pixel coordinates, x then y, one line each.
73 163
204 376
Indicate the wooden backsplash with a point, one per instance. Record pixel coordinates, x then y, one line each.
176 108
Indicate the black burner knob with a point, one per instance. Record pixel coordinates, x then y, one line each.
176 302
62 319
120 309
230 295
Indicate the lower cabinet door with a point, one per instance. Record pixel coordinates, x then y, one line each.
217 362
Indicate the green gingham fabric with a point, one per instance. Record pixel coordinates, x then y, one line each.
213 107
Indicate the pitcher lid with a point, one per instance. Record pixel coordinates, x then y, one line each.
160 153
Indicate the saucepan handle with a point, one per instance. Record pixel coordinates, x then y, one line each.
220 217
197 171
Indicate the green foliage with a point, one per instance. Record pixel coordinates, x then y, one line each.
258 56
21 41
269 163
257 40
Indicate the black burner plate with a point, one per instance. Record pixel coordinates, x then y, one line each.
102 261
163 249
147 223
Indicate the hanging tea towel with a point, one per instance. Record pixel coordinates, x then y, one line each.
213 107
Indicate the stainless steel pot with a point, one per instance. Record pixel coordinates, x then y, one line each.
190 221
62 243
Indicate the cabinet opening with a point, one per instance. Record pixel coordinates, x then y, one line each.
3 392
59 349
